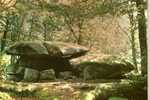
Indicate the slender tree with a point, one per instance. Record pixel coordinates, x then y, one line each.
140 4
133 30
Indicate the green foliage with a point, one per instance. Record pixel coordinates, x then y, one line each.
5 96
2 22
113 7
59 16
134 76
52 23
13 25
4 61
17 90
117 98
25 93
44 94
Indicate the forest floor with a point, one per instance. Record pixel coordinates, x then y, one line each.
54 90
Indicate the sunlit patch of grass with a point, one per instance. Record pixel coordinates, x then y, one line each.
5 96
17 89
117 98
44 94
5 59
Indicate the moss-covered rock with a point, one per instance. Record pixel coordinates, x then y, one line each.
66 75
31 75
47 48
14 72
103 70
47 74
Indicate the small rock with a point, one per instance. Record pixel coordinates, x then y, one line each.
48 74
31 75
14 72
14 77
66 75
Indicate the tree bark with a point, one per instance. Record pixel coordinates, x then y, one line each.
3 41
142 34
132 30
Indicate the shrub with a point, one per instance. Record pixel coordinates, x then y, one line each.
5 96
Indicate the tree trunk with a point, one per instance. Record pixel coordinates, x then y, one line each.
3 41
132 30
45 32
142 34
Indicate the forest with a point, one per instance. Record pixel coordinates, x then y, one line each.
73 50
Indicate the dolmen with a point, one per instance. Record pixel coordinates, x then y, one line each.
44 55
